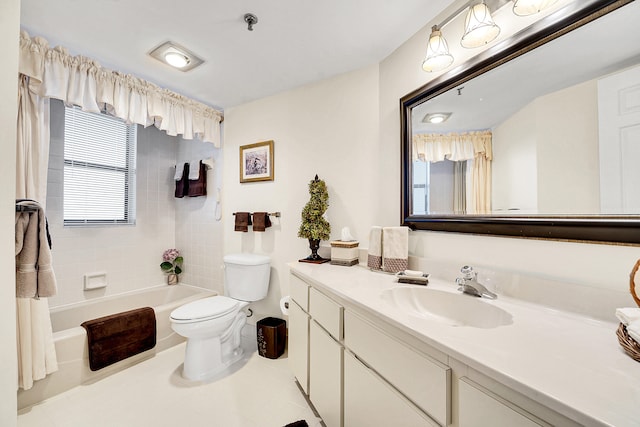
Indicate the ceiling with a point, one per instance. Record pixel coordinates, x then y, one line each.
295 42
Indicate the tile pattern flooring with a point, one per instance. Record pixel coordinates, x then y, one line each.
257 392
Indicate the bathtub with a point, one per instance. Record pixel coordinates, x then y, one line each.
71 339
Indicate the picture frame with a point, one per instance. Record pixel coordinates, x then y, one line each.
256 162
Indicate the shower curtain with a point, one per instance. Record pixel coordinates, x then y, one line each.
36 350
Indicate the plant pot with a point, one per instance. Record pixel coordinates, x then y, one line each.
314 245
172 279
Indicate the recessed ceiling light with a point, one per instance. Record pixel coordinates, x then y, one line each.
176 59
176 56
436 118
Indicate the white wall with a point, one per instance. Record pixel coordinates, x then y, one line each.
130 255
591 265
9 35
198 233
545 156
515 166
338 129
328 128
567 130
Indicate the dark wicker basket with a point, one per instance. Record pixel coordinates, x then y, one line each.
630 346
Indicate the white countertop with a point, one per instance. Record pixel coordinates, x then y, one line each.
569 363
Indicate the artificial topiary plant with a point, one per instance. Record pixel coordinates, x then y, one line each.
314 226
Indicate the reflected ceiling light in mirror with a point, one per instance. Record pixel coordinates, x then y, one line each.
530 7
176 56
480 28
435 118
438 56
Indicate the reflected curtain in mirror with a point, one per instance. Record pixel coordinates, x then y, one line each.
472 154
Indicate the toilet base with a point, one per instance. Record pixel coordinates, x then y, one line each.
207 356
198 372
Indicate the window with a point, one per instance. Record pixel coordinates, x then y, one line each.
99 169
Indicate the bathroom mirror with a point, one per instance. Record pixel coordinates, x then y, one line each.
542 138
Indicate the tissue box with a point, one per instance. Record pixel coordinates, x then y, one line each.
344 253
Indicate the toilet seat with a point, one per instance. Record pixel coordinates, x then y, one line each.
204 309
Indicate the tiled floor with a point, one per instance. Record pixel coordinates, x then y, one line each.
258 392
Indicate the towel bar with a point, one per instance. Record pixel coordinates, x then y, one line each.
276 214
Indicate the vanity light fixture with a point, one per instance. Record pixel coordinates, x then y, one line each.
438 56
176 56
436 118
480 28
530 7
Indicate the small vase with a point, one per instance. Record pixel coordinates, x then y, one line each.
172 279
314 245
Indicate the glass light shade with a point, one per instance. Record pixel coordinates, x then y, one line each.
438 56
530 7
176 59
479 27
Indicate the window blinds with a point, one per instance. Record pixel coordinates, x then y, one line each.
99 169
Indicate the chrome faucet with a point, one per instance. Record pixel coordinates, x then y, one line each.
469 284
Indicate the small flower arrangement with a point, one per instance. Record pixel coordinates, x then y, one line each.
172 261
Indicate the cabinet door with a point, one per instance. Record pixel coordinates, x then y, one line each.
325 375
299 345
370 401
479 408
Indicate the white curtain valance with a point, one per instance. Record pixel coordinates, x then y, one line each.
433 147
81 81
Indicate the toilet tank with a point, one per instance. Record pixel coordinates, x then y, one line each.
246 276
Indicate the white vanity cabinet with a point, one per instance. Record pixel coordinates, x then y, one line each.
325 357
423 380
479 407
371 401
298 342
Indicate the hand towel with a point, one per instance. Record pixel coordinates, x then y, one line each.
198 186
627 315
261 221
179 172
243 221
34 270
182 185
395 249
194 170
633 329
374 257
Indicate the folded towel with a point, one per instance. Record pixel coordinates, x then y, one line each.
261 221
194 170
118 336
182 185
198 186
633 329
34 269
374 257
243 221
627 315
395 249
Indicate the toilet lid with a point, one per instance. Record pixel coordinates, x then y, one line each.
208 308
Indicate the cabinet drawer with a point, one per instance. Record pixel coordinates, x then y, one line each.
370 401
326 312
299 292
479 408
426 382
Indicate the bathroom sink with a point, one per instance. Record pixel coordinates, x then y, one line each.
446 307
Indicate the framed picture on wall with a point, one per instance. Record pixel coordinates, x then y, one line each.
256 162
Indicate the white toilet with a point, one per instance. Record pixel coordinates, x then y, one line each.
212 325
